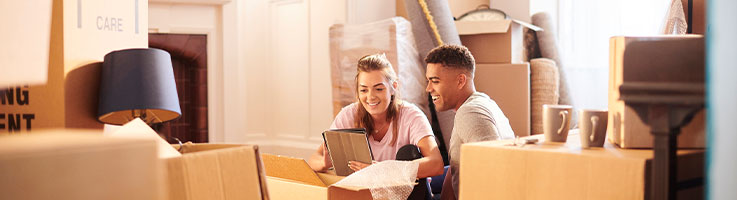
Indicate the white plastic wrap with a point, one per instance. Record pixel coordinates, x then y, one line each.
675 21
392 36
391 179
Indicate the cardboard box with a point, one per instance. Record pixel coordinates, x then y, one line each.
26 38
499 41
216 171
495 170
509 86
82 32
291 178
625 127
79 165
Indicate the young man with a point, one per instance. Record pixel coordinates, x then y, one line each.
450 70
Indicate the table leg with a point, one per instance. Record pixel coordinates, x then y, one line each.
664 150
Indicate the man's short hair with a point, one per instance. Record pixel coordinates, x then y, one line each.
452 56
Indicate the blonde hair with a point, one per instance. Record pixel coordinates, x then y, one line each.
370 63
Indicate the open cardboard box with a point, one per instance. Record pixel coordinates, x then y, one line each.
497 41
291 178
216 171
78 165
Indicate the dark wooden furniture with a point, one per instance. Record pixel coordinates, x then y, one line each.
664 84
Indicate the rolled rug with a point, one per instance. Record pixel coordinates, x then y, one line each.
543 90
432 24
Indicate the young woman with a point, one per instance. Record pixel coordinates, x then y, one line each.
390 123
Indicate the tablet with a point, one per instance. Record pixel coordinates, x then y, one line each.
347 145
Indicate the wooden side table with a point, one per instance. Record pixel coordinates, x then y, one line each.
665 107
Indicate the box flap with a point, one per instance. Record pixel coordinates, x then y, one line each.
482 27
528 25
221 172
294 169
495 26
329 179
190 147
351 188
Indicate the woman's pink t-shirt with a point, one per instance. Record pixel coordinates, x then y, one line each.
413 126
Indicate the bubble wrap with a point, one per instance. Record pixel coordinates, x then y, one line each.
675 21
391 179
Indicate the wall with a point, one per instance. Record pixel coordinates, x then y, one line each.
516 9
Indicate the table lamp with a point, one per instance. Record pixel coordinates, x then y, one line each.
137 83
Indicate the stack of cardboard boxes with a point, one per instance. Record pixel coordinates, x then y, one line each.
502 70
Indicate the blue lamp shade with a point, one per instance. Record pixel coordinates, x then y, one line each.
137 83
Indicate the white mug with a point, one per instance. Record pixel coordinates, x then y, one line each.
556 122
592 125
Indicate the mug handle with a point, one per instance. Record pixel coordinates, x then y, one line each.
562 113
594 120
